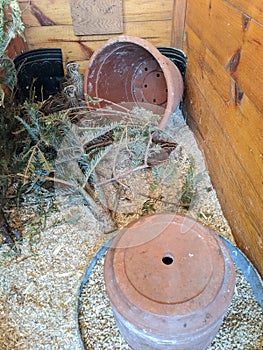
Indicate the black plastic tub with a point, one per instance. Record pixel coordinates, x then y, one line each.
39 74
177 56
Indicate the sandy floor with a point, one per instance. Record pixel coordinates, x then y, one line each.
39 287
242 327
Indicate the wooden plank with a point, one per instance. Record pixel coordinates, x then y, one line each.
156 31
215 84
230 132
251 8
81 49
249 67
238 49
242 208
44 13
96 17
58 12
147 10
218 141
219 25
178 23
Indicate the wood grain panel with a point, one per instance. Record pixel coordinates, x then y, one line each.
178 23
145 10
59 12
99 17
251 8
39 12
80 49
219 25
156 31
241 206
229 128
249 67
237 46
245 130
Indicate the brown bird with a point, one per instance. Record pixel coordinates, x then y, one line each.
74 77
161 155
64 100
100 141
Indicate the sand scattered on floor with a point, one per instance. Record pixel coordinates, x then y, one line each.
39 287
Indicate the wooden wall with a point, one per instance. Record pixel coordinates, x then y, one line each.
223 40
49 24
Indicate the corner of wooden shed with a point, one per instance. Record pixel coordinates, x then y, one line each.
223 41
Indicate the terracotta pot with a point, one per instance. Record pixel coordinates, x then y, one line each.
170 281
15 47
130 71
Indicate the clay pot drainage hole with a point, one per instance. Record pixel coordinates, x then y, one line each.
168 259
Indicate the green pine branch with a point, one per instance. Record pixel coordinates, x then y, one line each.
11 24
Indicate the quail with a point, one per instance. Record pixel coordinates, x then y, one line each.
100 141
166 146
66 99
74 77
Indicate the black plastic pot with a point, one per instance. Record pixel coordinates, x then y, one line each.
39 73
177 56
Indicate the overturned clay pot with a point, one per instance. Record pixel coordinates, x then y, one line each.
170 281
130 71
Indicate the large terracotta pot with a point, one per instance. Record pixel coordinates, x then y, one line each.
170 281
131 71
